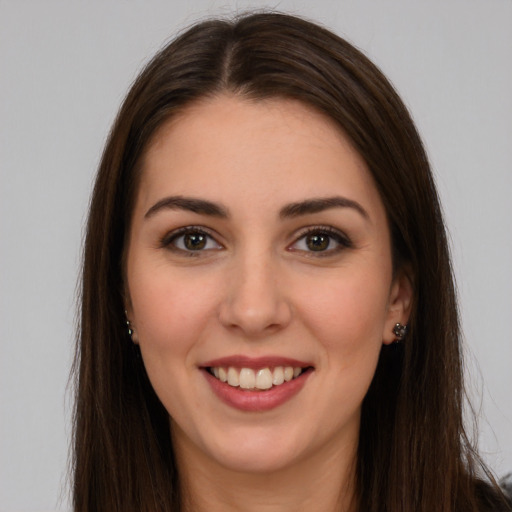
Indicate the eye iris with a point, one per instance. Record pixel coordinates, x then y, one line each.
194 241
317 242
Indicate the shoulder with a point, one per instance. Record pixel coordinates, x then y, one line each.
491 498
506 487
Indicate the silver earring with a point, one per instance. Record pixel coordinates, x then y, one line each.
400 330
128 325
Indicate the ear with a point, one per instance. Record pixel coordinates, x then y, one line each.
399 305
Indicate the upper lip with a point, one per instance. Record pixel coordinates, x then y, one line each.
241 361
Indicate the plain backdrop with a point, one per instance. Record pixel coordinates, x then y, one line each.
64 69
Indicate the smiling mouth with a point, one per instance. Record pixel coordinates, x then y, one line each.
256 380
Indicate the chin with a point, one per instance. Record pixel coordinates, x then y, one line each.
255 451
249 459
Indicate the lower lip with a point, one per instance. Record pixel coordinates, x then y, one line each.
256 400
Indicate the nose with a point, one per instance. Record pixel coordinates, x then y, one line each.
255 301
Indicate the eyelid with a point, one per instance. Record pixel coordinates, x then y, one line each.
338 236
343 241
167 240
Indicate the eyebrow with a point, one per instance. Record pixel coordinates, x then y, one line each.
317 205
190 204
292 210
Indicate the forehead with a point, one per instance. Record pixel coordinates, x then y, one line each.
244 151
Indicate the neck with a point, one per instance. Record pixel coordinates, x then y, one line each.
323 483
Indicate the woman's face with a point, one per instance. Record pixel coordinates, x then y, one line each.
260 253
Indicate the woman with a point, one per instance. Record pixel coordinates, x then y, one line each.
268 311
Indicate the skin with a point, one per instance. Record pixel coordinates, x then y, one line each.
258 289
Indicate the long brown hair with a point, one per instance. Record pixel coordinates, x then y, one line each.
413 451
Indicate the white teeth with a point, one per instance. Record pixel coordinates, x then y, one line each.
233 377
247 378
278 377
264 379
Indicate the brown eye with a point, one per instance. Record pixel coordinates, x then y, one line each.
194 241
190 240
317 241
321 241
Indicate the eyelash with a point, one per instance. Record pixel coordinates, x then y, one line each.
342 241
169 240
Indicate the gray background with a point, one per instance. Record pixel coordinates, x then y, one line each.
64 69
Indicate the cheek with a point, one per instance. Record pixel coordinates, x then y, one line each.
170 310
172 315
348 321
347 315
